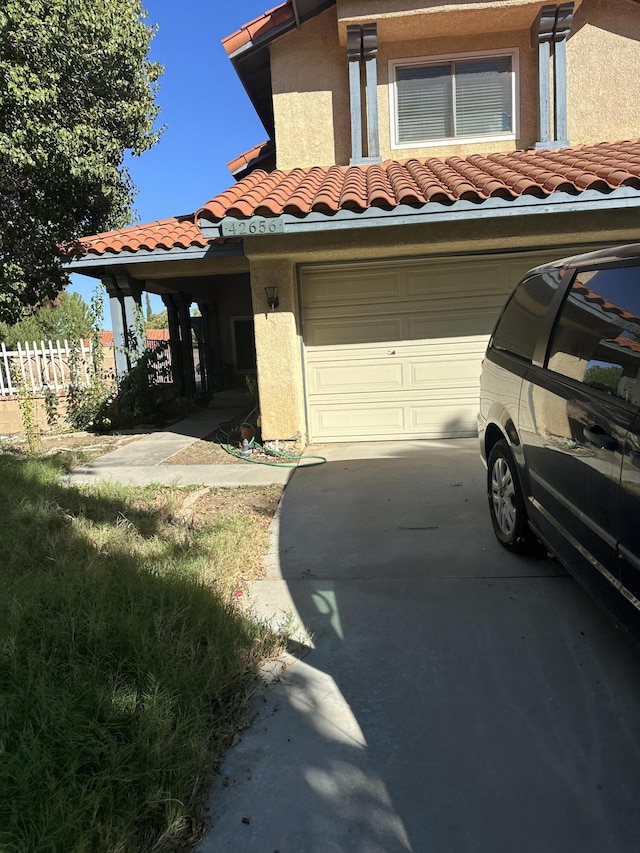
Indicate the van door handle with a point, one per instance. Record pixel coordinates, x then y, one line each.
597 436
634 458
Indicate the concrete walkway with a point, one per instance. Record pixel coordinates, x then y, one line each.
141 462
451 697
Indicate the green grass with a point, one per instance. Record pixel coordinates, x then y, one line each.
124 666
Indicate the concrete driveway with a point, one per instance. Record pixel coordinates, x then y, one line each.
453 697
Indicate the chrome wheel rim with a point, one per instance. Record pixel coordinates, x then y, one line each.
503 497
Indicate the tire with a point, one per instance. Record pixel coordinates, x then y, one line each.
506 500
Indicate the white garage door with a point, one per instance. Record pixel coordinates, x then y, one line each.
393 350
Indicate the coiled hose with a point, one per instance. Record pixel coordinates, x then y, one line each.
223 439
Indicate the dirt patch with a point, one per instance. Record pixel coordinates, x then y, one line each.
211 452
87 446
259 503
203 453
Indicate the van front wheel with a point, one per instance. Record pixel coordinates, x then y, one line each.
506 501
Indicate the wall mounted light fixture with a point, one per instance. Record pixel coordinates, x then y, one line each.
272 297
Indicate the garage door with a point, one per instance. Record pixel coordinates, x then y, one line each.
393 350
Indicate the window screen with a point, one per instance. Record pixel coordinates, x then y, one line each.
471 97
597 338
520 324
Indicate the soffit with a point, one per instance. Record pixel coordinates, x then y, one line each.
408 20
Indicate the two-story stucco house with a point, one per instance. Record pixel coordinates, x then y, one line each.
422 154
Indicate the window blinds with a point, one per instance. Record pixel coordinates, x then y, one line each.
464 98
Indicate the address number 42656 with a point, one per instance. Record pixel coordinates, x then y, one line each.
253 226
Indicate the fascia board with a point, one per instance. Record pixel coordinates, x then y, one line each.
626 197
257 44
285 27
146 256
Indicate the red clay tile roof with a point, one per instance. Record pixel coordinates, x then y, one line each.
247 157
625 343
595 298
416 183
177 232
259 27
157 334
106 336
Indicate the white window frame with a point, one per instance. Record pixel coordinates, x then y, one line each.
453 57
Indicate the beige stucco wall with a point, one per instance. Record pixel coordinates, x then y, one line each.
311 79
10 419
274 260
311 95
603 71
278 350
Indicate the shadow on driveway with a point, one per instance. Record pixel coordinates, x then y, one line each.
454 697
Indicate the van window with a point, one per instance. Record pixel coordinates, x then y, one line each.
520 323
597 336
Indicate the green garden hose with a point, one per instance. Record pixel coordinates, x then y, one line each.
232 451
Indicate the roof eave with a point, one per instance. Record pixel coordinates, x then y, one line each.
254 54
622 198
92 264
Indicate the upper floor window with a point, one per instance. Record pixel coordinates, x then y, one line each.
459 98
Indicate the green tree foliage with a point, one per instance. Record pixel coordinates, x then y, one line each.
69 317
157 320
76 93
604 378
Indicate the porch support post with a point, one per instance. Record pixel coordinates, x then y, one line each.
354 56
211 346
177 367
117 324
132 309
124 295
370 55
183 304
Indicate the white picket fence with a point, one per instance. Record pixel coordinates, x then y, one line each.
43 365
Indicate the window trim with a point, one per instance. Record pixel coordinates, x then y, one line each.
413 61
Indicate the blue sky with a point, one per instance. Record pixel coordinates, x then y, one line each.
207 115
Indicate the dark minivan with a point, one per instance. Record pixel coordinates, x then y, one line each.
559 421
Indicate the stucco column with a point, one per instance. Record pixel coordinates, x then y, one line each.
278 350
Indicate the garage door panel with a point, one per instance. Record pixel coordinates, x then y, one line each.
354 376
450 324
368 421
444 280
441 419
458 373
348 286
392 421
393 349
337 332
